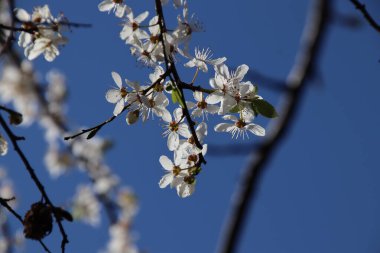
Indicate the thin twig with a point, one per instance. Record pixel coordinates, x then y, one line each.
35 179
306 60
361 7
4 203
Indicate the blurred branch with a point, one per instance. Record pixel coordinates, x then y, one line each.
361 7
306 60
14 139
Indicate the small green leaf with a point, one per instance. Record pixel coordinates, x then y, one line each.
177 98
264 108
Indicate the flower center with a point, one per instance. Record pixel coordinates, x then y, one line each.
117 1
176 170
192 158
240 123
173 126
202 105
154 39
135 26
123 92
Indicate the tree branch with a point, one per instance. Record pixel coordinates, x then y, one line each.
35 179
311 41
367 16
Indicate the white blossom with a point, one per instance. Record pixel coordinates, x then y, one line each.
117 6
239 127
202 58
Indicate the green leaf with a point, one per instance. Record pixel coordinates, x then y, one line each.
264 108
177 98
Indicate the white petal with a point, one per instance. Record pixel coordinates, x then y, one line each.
185 190
22 15
256 129
241 71
214 98
173 141
217 61
118 107
190 105
183 130
197 112
165 115
223 127
166 163
126 32
198 96
120 10
230 117
140 18
245 88
166 180
117 79
190 64
201 131
113 96
177 114
106 5
212 109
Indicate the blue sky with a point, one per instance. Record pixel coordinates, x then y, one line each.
320 190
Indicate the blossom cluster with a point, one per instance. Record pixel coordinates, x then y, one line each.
41 32
186 124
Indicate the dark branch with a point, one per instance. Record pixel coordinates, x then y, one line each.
361 7
4 203
305 62
170 65
35 179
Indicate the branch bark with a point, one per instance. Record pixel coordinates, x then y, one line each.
361 7
311 41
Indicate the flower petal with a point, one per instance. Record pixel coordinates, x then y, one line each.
173 141
166 163
224 127
118 107
256 129
166 180
117 79
113 96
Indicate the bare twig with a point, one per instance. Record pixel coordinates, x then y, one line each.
4 203
305 62
13 138
361 7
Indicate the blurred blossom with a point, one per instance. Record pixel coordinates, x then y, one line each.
3 146
128 203
17 87
120 239
86 207
57 162
103 185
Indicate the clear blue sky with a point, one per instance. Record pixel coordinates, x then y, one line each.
320 192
